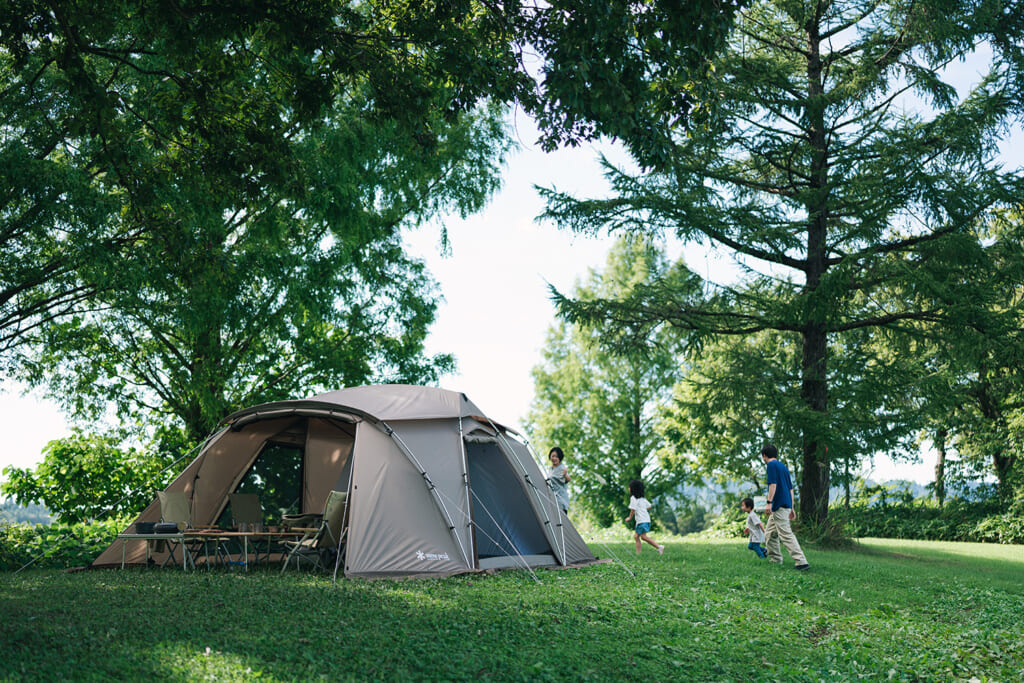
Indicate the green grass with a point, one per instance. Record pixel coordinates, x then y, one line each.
706 611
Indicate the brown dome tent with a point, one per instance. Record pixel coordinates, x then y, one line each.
434 486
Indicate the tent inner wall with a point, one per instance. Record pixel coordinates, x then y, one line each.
216 472
328 461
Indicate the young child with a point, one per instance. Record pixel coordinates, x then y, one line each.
754 528
639 506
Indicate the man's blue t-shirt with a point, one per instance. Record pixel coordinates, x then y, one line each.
778 474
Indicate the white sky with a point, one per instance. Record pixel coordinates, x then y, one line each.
496 310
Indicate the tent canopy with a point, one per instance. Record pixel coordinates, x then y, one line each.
434 487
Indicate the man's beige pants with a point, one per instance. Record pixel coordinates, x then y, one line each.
778 529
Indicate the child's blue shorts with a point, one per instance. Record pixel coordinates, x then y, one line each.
642 528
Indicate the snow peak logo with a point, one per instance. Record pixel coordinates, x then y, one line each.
430 557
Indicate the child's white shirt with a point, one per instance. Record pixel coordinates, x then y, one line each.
754 524
640 505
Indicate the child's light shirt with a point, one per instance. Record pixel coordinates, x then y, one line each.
641 505
754 524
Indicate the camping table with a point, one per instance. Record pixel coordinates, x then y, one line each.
270 537
179 539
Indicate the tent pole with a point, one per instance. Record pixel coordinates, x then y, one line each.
465 485
344 527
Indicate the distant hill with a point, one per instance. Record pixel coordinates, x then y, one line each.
12 513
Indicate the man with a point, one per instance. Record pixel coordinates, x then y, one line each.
780 511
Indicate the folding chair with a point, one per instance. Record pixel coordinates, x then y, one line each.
175 508
247 516
246 512
318 546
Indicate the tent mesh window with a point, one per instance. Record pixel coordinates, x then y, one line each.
276 477
501 512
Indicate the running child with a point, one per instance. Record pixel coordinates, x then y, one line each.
754 528
639 506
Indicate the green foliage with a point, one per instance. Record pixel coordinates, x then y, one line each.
202 206
57 546
957 520
703 611
597 403
87 476
99 107
624 69
848 217
717 420
269 270
971 375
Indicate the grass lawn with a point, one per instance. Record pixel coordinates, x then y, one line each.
705 611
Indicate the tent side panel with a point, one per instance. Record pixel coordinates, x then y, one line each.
437 446
395 527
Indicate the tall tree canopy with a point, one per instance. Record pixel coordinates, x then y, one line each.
93 98
600 405
87 91
304 287
247 241
831 183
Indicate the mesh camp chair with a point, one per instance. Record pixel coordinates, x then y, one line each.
318 546
175 509
246 515
246 512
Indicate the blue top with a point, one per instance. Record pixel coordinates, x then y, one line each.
778 474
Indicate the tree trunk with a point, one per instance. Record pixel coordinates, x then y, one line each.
1002 463
1002 460
846 483
815 485
940 467
814 389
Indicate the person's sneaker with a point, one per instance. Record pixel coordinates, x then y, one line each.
779 561
661 550
802 567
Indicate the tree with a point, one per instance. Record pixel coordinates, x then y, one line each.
977 387
86 476
91 100
816 172
224 219
300 285
597 389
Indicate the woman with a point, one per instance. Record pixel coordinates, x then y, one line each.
558 477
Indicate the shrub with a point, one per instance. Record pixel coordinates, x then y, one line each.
959 520
56 546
